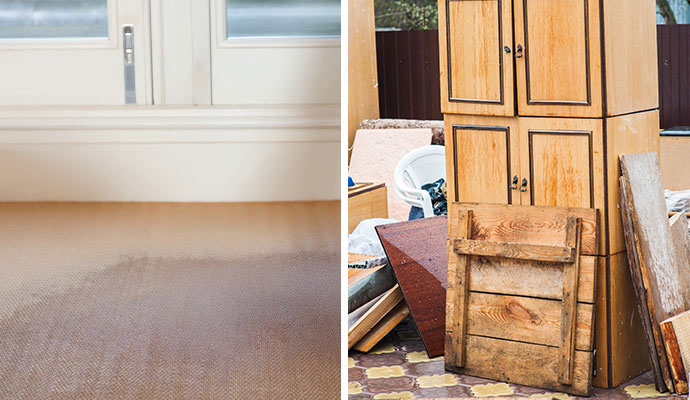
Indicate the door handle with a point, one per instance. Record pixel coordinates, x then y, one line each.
128 60
518 51
506 49
523 187
513 184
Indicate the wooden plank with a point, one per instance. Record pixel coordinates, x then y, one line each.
355 275
417 253
676 332
532 225
372 317
529 278
366 202
390 321
526 319
636 263
534 252
571 275
525 364
460 226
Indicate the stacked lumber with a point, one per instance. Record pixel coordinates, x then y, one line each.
658 252
520 294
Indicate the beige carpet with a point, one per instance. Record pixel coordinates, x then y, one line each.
169 301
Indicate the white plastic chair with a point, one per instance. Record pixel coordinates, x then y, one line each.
420 166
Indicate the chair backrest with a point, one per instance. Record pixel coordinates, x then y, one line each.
421 166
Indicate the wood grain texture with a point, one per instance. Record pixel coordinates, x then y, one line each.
560 72
417 253
521 224
369 201
662 378
459 226
676 333
526 319
476 73
528 278
571 276
373 315
627 134
673 157
631 56
534 252
390 321
363 101
525 364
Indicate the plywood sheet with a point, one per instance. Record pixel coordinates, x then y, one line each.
375 154
417 252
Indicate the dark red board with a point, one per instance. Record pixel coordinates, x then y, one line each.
417 252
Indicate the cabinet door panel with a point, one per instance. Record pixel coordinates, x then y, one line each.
483 159
476 69
559 71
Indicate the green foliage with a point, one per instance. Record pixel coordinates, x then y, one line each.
406 14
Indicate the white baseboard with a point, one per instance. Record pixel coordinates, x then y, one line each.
170 154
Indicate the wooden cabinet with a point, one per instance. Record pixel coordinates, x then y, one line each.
549 55
540 97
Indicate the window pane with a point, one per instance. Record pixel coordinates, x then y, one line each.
283 18
20 19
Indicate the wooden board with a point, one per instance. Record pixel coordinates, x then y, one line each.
390 321
676 333
363 99
673 156
373 315
365 202
416 251
542 329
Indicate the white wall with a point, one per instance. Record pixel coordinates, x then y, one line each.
168 154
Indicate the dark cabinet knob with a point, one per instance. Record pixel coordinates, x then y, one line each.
523 187
514 183
518 51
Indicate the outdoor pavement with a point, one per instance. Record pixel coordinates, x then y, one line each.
398 368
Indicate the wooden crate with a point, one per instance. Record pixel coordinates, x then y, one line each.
364 201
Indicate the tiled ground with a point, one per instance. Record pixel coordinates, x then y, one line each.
398 368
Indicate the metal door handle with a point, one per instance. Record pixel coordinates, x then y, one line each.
506 49
518 51
513 185
523 187
128 59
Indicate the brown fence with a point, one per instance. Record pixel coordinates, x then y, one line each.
409 83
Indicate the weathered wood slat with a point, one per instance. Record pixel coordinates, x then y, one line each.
532 225
534 252
390 321
526 319
571 274
530 278
460 226
372 317
525 363
676 333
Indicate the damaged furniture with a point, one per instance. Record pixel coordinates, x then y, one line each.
539 99
365 201
520 297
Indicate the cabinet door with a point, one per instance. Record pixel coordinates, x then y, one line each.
482 159
71 52
561 159
558 58
476 57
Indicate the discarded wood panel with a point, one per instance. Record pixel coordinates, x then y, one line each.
416 251
354 316
659 263
668 278
676 333
525 319
390 321
355 275
657 359
525 364
532 225
534 279
552 326
372 317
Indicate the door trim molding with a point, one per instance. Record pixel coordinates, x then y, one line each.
500 59
458 127
589 134
588 78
